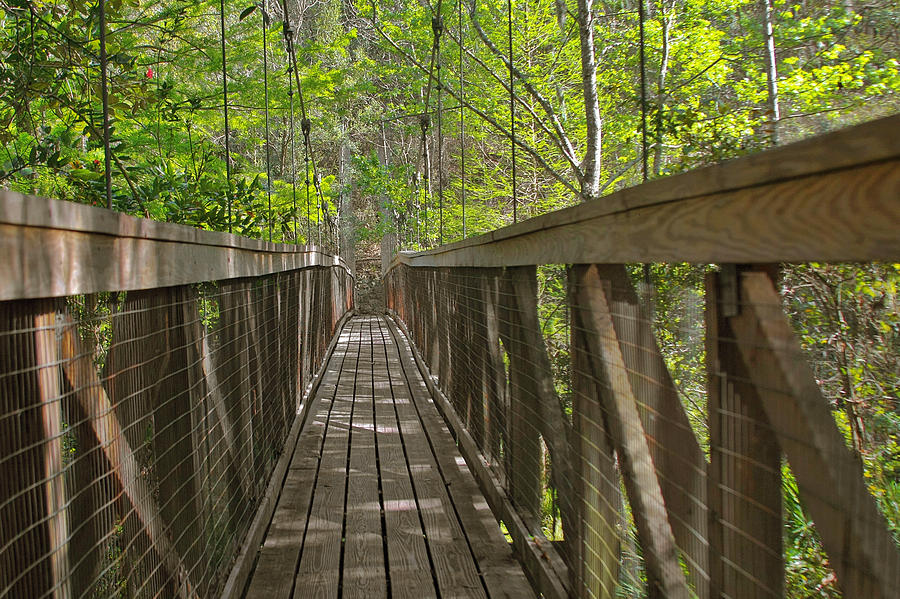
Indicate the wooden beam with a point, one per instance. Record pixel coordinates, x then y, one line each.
595 558
56 249
831 198
620 407
244 562
854 533
745 521
541 561
679 461
528 354
79 370
47 361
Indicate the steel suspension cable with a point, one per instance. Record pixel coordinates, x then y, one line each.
424 122
512 109
265 23
104 96
305 123
642 51
462 120
225 104
293 159
305 127
437 26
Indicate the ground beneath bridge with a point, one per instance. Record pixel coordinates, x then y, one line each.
377 501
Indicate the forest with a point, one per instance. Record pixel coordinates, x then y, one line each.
342 123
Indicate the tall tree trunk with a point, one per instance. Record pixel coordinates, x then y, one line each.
590 166
772 111
666 20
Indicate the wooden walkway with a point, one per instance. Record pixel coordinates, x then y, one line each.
377 501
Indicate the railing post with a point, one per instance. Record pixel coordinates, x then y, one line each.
595 550
25 569
745 521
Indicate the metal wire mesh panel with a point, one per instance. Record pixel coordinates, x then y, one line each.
139 430
657 431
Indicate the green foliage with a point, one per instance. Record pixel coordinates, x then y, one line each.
837 63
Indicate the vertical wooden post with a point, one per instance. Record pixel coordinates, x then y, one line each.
829 476
494 381
173 441
524 451
745 519
594 316
25 569
679 462
595 549
47 361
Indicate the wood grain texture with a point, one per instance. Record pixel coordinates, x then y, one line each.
408 559
24 569
528 355
542 564
846 149
48 376
79 370
319 572
745 488
679 462
854 533
592 313
429 537
595 551
35 211
502 574
452 562
832 198
56 249
272 577
363 574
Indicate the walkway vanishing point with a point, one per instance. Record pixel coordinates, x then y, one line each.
377 500
193 414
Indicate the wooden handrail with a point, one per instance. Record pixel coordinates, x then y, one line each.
52 248
835 197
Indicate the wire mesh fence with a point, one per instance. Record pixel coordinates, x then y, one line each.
139 429
659 427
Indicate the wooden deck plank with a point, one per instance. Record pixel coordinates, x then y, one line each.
409 565
363 571
501 571
319 571
280 551
454 566
365 510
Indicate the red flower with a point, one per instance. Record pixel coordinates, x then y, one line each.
149 72
96 162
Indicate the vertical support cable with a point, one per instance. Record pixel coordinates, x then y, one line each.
462 120
424 122
437 25
104 95
293 159
642 50
512 109
265 24
225 103
305 127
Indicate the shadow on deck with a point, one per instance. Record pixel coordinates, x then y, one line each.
377 500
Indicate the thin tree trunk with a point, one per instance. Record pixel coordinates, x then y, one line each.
772 112
590 166
665 21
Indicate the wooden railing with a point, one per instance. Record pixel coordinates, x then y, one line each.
705 498
150 377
